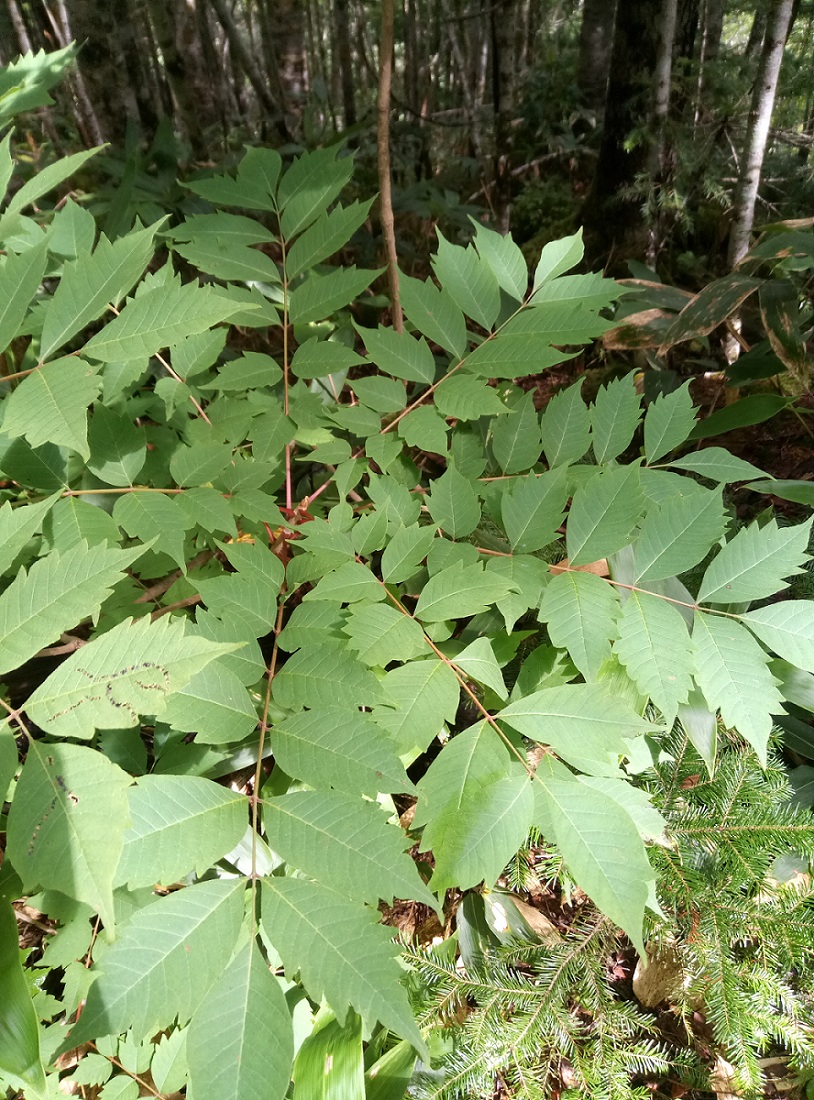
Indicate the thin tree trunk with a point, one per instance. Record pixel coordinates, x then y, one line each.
756 35
502 17
243 57
777 28
595 41
383 147
710 48
661 170
20 29
343 61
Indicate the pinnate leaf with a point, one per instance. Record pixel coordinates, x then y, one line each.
381 634
583 724
453 504
533 510
668 423
240 1044
154 517
603 514
732 671
434 313
615 415
341 952
788 629
566 426
654 647
58 592
679 534
755 563
602 849
339 747
476 808
469 281
423 695
20 276
19 1034
345 843
67 824
18 526
324 674
168 957
718 465
118 676
51 405
580 610
516 439
459 591
179 823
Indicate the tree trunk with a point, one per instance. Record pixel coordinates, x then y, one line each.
713 26
94 25
162 17
242 56
612 215
595 41
502 30
688 18
20 29
778 23
343 61
756 34
661 168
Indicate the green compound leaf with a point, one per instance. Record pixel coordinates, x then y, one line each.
424 428
558 257
788 629
19 1034
516 438
118 449
602 849
321 295
476 808
157 319
18 526
615 415
718 465
403 555
459 591
322 675
504 258
67 824
581 723
57 592
309 186
755 563
732 671
678 535
434 313
330 232
467 398
345 843
179 823
478 661
168 957
380 634
91 283
51 405
580 610
153 516
422 695
532 510
339 747
654 647
668 423
603 514
566 426
468 280
453 504
129 671
399 354
20 277
341 952
240 1043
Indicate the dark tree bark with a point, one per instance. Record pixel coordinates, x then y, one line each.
661 157
778 24
503 73
688 18
595 41
712 30
93 24
612 216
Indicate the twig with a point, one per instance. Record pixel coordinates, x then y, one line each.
383 146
